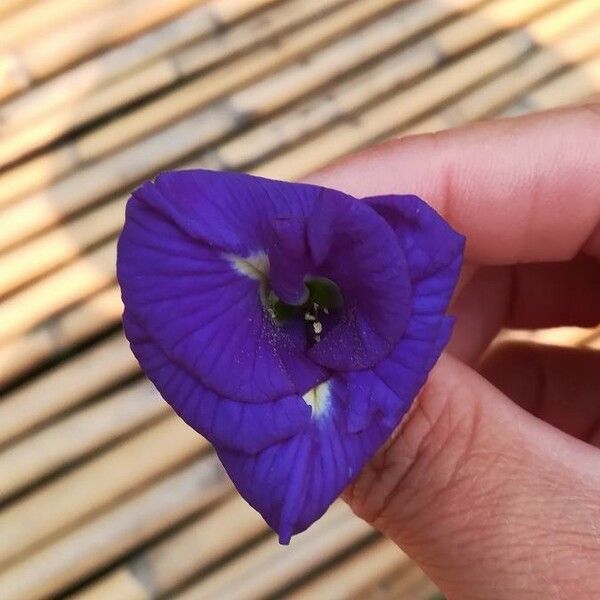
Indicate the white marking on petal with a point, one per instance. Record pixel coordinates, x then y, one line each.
319 399
255 266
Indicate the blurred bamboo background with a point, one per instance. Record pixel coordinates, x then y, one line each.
104 494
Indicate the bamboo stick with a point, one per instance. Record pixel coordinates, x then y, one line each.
430 124
361 570
452 38
172 562
82 37
56 247
35 173
74 85
582 80
156 76
547 29
49 167
202 91
406 584
244 577
294 81
60 333
259 99
70 284
63 387
44 16
52 569
92 183
594 344
573 86
555 336
399 109
489 20
577 47
95 485
78 435
206 126
9 7
345 99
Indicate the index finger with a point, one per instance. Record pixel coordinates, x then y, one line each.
521 190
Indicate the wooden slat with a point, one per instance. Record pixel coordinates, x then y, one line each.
74 282
41 170
398 110
78 435
75 85
390 114
60 333
345 99
244 577
63 387
46 54
490 97
406 584
504 92
23 137
56 247
189 96
41 17
49 570
34 174
10 7
583 83
571 87
174 560
95 485
360 571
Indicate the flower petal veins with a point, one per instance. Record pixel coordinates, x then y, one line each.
228 281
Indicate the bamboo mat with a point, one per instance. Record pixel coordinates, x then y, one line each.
104 494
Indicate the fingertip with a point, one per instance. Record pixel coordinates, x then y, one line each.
522 189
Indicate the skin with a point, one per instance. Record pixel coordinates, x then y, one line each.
492 481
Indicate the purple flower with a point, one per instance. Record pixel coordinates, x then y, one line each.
292 325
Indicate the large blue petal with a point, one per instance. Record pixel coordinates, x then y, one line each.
242 426
434 254
204 314
294 482
362 255
232 212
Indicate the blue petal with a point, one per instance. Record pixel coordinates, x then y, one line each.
202 313
362 255
294 482
232 211
434 254
243 426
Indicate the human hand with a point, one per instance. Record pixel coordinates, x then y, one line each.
492 481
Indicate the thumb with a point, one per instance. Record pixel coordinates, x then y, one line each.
490 501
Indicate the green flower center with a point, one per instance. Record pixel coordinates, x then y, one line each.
324 300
